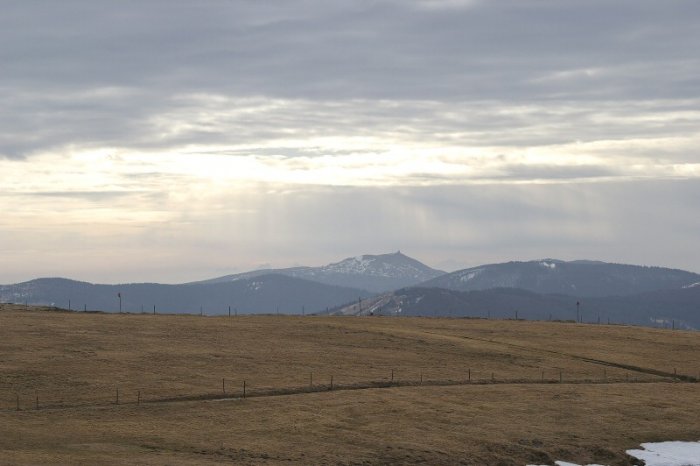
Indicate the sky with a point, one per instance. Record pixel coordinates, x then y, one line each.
169 140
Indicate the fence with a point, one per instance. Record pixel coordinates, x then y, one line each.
109 394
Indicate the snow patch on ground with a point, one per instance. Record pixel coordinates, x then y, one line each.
668 453
564 463
469 275
255 286
692 285
660 454
548 265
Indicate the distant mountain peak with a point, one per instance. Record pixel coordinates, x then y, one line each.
373 272
391 265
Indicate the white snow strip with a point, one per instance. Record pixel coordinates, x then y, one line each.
660 454
564 463
669 454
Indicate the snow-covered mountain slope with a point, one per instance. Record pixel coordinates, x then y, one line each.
376 273
576 278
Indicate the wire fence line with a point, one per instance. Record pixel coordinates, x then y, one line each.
105 395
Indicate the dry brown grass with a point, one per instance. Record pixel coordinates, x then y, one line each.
75 362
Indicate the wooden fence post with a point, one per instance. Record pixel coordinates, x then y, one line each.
469 375
331 382
223 385
117 399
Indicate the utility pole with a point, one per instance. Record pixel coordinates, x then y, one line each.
578 305
120 301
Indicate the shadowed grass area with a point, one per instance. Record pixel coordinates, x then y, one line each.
75 363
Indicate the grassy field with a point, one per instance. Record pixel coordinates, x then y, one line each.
463 391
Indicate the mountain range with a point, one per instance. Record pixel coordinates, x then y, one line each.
289 291
395 284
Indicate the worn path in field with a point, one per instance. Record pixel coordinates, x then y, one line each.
322 388
536 350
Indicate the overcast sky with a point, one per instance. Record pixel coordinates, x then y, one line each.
170 140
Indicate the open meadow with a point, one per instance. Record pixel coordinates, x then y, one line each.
90 388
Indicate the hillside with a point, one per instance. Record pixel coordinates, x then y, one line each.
269 293
575 278
676 307
168 389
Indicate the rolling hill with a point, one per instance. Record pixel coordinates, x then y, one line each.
575 278
268 293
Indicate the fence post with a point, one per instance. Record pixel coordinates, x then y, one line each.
331 382
223 385
17 394
244 389
311 380
392 376
469 375
138 398
37 400
117 395
421 378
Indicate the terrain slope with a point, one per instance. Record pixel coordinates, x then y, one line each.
89 388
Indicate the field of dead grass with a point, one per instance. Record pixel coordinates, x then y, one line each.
74 363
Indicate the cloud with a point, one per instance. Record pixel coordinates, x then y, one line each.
284 225
168 125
